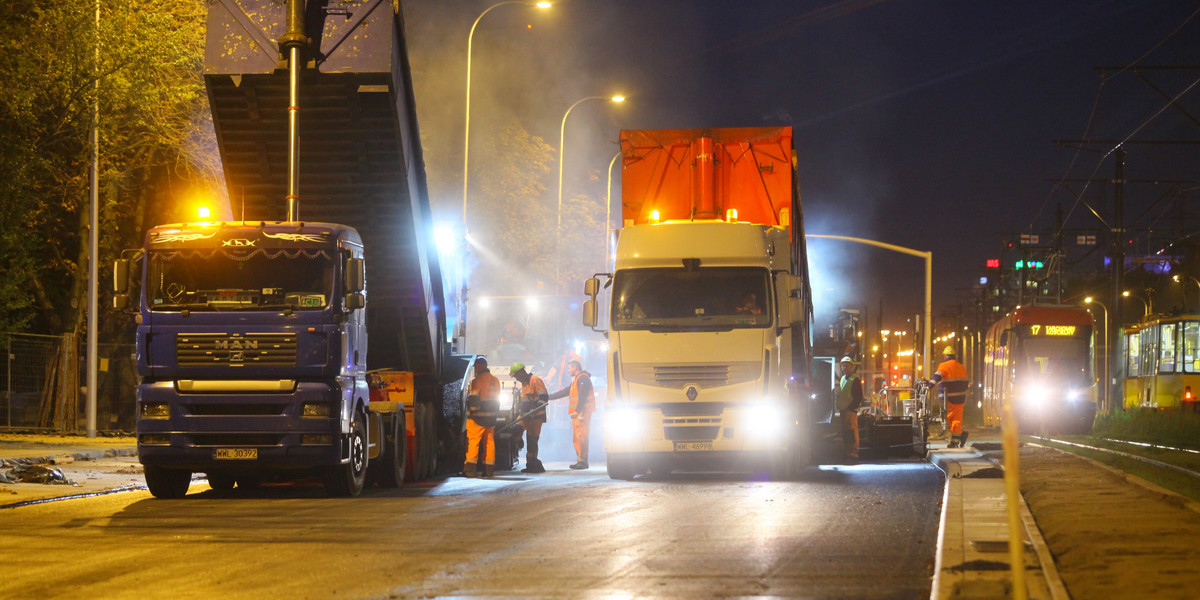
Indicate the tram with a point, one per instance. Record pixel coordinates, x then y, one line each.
1041 359
1162 362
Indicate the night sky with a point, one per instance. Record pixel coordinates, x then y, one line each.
927 124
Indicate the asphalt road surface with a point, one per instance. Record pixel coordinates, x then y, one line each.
863 531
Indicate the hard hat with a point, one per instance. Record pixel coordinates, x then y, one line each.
516 367
847 359
948 350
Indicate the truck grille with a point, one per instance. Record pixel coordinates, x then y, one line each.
236 409
236 439
700 375
691 434
235 349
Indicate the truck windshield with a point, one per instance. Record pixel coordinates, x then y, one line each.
240 279
1056 360
698 299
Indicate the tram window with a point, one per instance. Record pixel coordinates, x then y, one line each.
1131 363
1191 347
1166 348
1148 357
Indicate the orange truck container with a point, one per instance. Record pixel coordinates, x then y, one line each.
742 174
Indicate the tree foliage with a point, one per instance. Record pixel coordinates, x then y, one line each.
154 138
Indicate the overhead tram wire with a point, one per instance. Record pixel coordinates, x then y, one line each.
1091 119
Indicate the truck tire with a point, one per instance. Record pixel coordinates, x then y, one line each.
167 483
620 467
349 479
389 470
431 445
421 472
221 482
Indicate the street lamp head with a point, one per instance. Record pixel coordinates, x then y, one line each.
618 98
1175 278
1087 300
1125 293
543 5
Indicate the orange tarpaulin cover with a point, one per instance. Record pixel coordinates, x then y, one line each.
702 173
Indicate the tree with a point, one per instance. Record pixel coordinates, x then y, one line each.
154 137
510 214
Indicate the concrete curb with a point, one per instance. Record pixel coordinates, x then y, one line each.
974 518
59 459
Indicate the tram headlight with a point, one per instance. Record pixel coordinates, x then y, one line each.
1035 396
1074 395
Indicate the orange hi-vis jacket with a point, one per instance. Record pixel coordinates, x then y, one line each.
952 376
589 401
487 387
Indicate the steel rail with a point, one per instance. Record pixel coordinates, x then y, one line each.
1151 461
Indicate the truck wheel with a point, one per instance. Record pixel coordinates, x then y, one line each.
168 483
421 472
390 468
221 482
349 479
431 445
620 467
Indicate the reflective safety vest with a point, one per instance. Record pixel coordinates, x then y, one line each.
845 392
483 401
532 394
952 376
591 397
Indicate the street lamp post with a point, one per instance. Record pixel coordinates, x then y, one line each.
562 134
467 127
608 211
1194 280
1145 305
1107 352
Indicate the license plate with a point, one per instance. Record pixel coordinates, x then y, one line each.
235 454
692 446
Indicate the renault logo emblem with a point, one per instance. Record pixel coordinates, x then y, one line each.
692 392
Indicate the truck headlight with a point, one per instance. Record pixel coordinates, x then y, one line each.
317 410
764 420
156 410
623 423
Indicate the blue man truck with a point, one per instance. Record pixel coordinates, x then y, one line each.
270 345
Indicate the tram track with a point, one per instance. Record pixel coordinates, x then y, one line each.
1143 459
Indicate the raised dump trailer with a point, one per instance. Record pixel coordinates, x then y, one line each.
709 311
255 336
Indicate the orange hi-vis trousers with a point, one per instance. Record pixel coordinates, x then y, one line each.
954 417
477 433
581 427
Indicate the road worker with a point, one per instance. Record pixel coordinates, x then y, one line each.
483 406
583 403
849 397
951 377
534 398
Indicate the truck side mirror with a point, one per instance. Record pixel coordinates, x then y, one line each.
589 313
591 287
355 280
121 275
355 300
